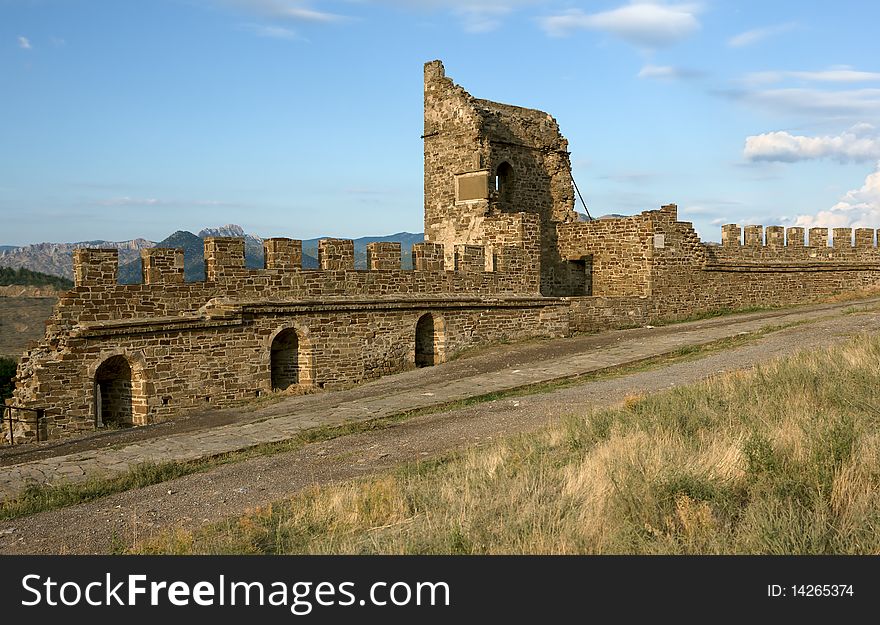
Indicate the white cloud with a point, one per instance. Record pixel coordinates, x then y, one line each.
758 34
668 72
657 71
24 43
860 143
858 208
643 23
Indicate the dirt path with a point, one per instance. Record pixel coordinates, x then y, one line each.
120 520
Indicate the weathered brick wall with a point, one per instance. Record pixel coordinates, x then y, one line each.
184 364
200 344
684 276
620 251
592 314
767 272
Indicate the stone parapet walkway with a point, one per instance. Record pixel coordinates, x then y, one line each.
405 392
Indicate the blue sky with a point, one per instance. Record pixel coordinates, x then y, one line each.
123 118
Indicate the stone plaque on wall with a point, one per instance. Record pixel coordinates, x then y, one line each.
472 186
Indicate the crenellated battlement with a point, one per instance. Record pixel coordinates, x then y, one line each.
777 237
224 261
777 246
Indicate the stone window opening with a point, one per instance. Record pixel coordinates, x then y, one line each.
504 180
429 340
285 358
582 276
113 393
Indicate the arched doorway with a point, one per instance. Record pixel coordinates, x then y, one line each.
285 360
429 340
113 393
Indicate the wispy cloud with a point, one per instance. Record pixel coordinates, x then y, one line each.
24 43
631 177
648 24
836 74
369 191
475 16
750 37
858 144
668 72
481 18
296 10
859 207
859 103
272 32
58 41
129 201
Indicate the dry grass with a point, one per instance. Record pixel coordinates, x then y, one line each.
783 459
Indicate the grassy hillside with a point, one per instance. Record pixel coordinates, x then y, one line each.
26 277
782 459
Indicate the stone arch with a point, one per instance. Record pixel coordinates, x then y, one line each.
119 390
291 361
430 340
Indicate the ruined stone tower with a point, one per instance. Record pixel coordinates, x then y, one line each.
485 160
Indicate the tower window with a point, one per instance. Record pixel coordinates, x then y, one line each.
504 180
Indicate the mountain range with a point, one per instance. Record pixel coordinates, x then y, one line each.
57 258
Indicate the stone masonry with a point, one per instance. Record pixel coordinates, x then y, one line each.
505 257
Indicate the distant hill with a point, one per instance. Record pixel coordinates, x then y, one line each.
26 277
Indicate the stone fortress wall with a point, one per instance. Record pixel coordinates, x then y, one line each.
505 256
186 346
